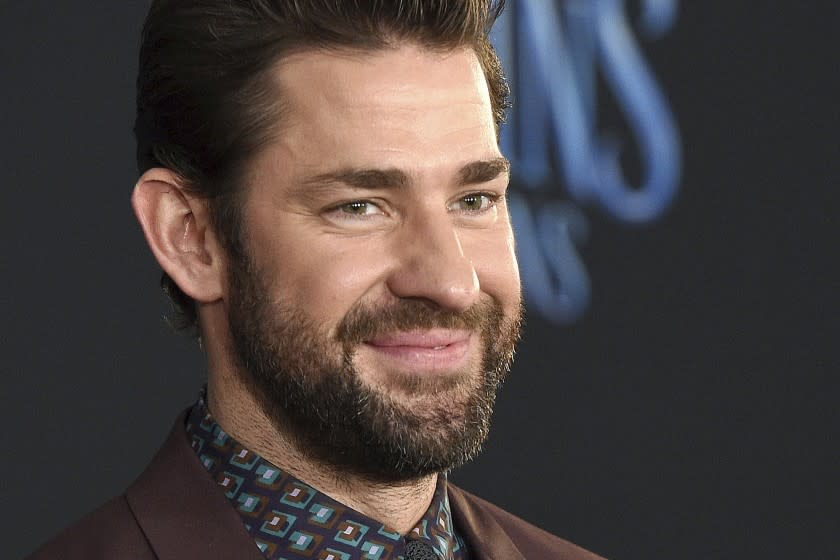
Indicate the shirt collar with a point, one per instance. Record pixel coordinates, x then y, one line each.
290 519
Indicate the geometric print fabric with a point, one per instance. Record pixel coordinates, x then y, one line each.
290 520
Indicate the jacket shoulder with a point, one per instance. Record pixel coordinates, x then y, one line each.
110 532
530 540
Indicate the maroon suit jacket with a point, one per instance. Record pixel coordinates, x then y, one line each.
175 511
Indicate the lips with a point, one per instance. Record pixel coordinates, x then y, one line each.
436 350
431 339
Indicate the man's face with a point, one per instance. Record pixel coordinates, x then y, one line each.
378 307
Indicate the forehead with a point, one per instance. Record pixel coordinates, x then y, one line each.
396 103
394 69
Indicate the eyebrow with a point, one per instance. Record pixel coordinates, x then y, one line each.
485 171
473 173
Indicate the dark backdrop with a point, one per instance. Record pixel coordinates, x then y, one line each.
692 413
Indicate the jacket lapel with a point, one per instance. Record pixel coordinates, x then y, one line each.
487 539
182 511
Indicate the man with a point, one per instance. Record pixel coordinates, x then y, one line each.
323 188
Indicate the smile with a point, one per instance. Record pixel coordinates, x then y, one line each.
432 351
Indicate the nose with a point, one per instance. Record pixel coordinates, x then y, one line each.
431 265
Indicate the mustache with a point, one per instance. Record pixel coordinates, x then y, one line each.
364 322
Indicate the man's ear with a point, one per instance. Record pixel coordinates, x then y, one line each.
177 228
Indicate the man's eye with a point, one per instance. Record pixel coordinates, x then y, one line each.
476 202
359 208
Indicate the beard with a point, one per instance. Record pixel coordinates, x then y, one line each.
401 427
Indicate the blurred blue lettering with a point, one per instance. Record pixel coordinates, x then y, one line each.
551 52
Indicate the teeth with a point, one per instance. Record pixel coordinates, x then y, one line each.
439 347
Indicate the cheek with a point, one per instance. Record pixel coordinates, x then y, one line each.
326 278
494 259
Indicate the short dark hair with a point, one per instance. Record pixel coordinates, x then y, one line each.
205 103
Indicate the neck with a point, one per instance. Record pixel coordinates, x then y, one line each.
398 506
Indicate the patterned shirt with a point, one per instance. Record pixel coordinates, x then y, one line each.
290 520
